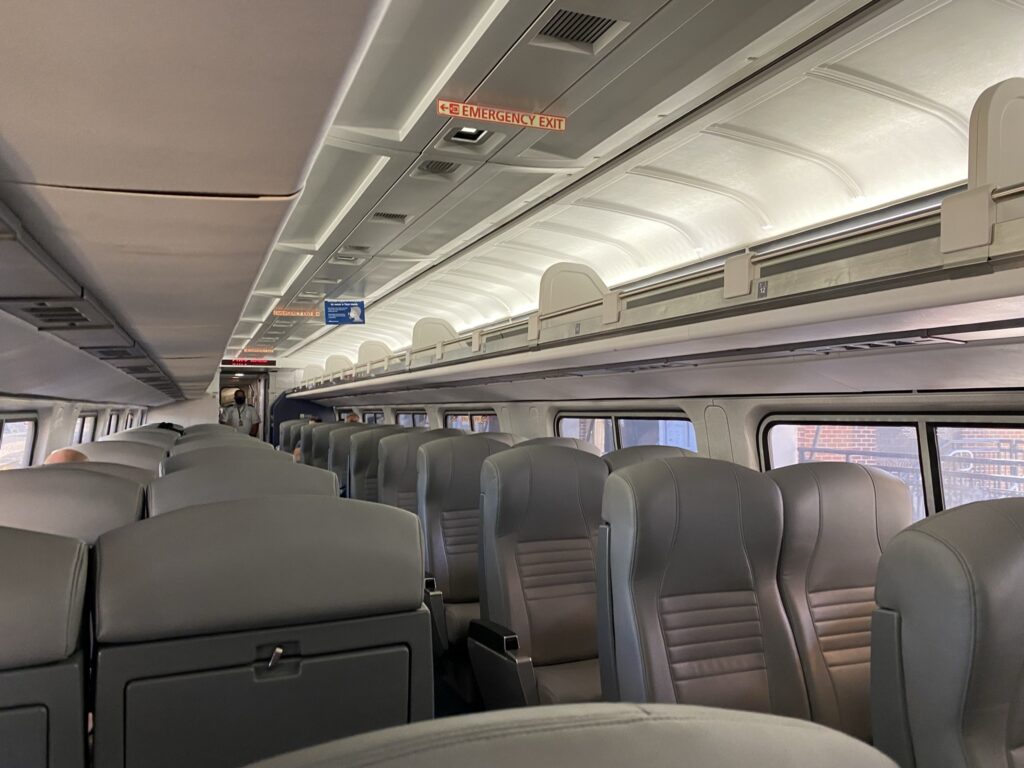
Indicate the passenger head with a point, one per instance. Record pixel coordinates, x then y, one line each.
352 418
297 453
239 397
65 456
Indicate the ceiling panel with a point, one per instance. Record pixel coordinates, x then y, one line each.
224 97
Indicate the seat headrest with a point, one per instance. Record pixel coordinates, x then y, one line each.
531 487
448 470
506 438
122 452
222 455
42 588
564 442
161 438
595 736
186 444
365 444
75 503
214 482
135 474
625 457
256 563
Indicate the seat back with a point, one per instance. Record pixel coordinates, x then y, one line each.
121 452
540 509
136 474
397 468
565 442
946 651
363 461
306 442
230 480
321 442
693 548
42 709
596 736
339 447
79 504
448 502
187 444
837 520
505 438
209 429
284 434
626 457
239 455
161 438
234 631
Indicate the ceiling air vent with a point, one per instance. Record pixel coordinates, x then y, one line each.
577 31
390 218
56 315
438 167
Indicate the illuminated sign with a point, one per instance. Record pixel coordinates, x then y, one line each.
246 361
345 313
258 350
447 108
296 313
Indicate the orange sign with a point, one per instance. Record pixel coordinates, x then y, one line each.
258 350
447 108
296 313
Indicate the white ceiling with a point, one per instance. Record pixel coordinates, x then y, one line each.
864 119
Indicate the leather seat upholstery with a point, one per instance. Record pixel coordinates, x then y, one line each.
284 434
161 438
698 619
121 452
947 689
241 456
321 442
565 442
596 736
397 469
506 438
135 474
202 442
228 481
42 709
75 503
234 631
837 520
541 508
625 457
363 461
339 448
448 503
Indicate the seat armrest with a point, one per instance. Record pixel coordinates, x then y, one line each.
434 600
504 673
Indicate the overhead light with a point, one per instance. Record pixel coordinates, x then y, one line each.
468 135
237 375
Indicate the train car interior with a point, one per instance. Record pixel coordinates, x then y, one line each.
576 383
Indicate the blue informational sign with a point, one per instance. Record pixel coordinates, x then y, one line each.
345 312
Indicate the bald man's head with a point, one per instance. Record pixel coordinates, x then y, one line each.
65 456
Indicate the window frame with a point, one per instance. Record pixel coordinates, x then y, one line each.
615 416
469 415
378 416
113 417
413 415
29 416
926 422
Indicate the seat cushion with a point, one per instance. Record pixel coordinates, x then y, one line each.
572 683
457 617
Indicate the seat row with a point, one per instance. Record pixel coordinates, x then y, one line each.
215 635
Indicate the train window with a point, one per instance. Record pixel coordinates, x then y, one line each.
472 422
373 417
17 439
129 420
412 419
979 462
891 447
113 422
598 431
647 431
89 428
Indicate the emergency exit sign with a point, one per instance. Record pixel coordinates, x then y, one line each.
447 108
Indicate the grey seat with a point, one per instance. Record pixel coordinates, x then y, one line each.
448 503
42 709
284 430
506 438
163 438
230 480
837 519
693 549
397 468
120 452
79 504
946 640
339 447
321 442
244 455
230 632
626 457
305 442
208 429
596 736
565 442
135 474
363 461
292 434
541 508
187 444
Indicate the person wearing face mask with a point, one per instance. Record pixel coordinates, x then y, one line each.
244 418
